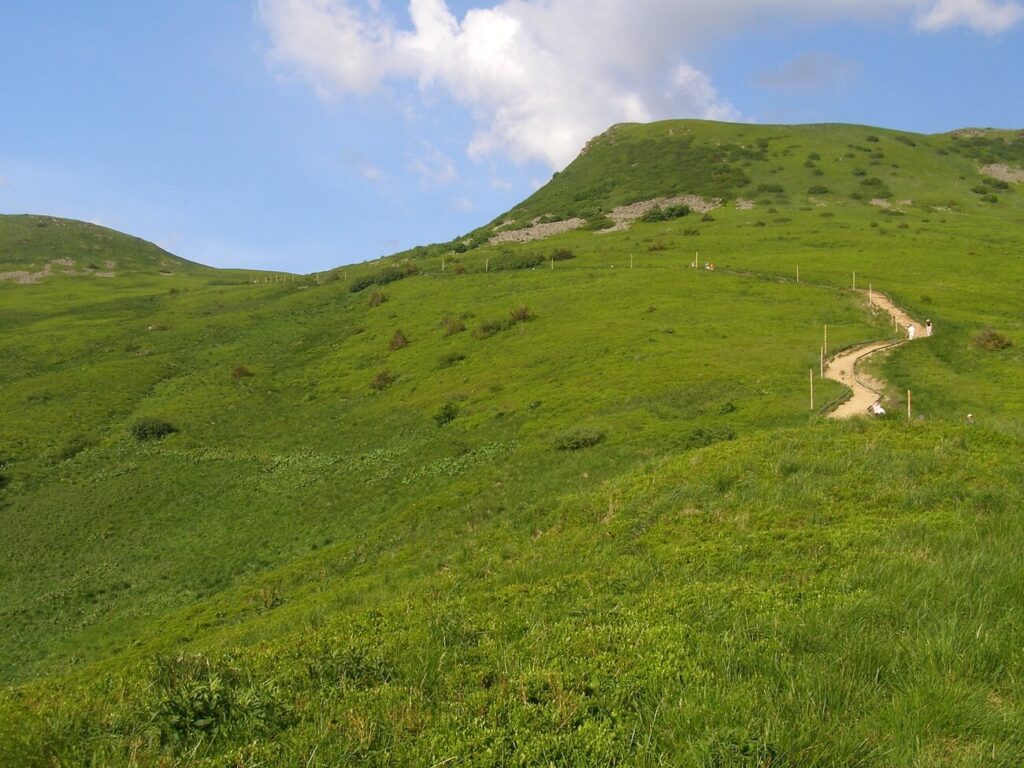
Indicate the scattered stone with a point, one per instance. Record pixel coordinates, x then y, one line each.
1004 172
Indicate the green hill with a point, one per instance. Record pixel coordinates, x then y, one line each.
33 248
560 501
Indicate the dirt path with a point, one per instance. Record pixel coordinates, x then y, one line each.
843 366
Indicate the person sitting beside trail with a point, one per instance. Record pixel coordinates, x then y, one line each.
877 409
927 327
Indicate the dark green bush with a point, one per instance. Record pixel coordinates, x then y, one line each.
445 414
577 439
666 214
388 274
452 325
508 260
151 428
817 189
771 188
704 436
377 298
562 254
240 372
447 361
905 140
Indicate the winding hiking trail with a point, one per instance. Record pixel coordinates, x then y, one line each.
843 366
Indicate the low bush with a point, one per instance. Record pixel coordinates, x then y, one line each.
562 254
509 260
388 274
151 428
577 439
452 325
445 414
817 189
991 340
666 214
398 341
705 436
240 372
376 299
522 314
771 188
382 381
452 358
598 223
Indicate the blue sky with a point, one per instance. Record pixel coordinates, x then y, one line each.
304 134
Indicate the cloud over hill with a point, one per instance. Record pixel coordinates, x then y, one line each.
540 78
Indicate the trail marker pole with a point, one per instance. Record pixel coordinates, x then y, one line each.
826 338
822 363
855 280
909 416
442 263
552 262
798 273
811 372
487 265
871 295
631 261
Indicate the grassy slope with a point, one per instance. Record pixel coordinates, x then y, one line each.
299 484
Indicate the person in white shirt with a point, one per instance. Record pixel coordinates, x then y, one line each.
910 331
927 327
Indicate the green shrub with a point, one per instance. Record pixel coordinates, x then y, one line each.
382 381
905 140
522 314
872 138
151 428
991 340
240 372
666 214
398 341
447 361
562 254
452 325
817 189
388 274
376 299
771 188
490 327
509 260
577 439
445 414
598 223
704 436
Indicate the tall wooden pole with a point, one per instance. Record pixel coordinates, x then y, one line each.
855 280
811 377
798 273
826 338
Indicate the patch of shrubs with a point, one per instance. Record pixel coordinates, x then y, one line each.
577 439
905 140
562 254
389 274
382 381
151 428
452 358
508 260
666 214
377 298
771 188
445 414
488 328
817 189
452 325
992 341
240 372
702 437
598 223
398 341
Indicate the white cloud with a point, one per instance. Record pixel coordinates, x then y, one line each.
988 16
500 184
362 166
540 77
434 166
463 205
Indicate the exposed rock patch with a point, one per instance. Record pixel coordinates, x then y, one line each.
625 215
1004 172
744 205
537 231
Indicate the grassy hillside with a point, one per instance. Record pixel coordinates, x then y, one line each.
477 505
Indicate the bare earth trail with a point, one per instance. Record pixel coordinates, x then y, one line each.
843 366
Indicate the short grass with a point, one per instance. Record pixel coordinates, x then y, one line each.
584 515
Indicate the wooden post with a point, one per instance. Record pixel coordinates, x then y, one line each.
909 410
798 273
811 372
442 263
696 259
826 338
855 280
822 350
552 262
487 265
871 295
631 261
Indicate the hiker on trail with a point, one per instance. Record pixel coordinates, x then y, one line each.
927 327
877 409
910 331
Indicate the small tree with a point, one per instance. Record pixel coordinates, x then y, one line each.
151 428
